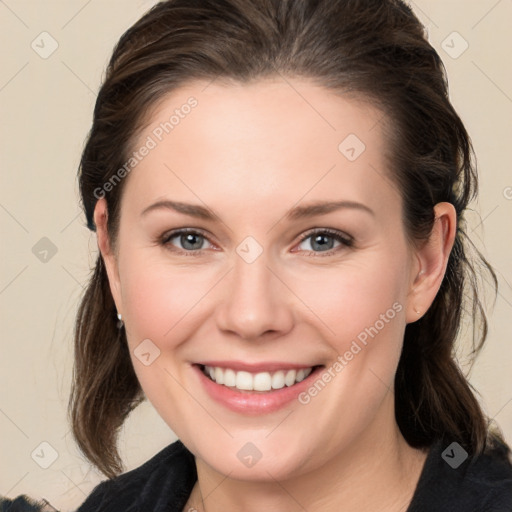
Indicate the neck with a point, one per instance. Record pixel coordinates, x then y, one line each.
378 471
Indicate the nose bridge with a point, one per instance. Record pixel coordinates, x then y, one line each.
255 300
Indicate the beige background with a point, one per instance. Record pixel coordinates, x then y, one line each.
47 106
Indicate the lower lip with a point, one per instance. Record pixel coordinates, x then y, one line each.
254 403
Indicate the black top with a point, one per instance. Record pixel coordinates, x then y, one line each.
450 481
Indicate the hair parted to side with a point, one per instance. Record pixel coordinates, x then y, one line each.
374 49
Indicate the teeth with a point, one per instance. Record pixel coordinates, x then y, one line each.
219 376
263 381
289 378
229 378
243 380
278 380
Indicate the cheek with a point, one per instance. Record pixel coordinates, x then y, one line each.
362 312
354 297
161 302
158 297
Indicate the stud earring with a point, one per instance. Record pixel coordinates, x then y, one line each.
416 311
120 322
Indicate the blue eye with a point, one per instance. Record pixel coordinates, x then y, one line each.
192 240
320 239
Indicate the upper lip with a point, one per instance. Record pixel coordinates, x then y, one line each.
263 366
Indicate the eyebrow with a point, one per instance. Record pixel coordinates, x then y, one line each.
297 213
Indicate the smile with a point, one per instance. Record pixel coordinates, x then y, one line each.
260 381
254 388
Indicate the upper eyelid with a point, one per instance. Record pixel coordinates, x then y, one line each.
180 231
329 231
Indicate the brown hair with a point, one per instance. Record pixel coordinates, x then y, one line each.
376 49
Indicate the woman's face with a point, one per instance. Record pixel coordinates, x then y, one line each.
264 283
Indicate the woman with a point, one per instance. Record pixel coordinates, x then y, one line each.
306 155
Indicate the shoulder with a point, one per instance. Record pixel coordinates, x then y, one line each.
454 481
163 481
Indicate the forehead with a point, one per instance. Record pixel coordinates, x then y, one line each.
249 143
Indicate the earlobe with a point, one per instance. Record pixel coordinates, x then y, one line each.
106 250
432 259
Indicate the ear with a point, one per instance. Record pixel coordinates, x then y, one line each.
107 252
432 259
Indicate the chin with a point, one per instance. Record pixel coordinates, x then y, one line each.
259 459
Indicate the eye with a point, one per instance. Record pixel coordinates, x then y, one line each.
191 241
324 239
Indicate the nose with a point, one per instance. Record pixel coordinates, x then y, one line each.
256 303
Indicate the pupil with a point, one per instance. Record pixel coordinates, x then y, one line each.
321 245
189 238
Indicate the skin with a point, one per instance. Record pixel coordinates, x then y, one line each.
250 153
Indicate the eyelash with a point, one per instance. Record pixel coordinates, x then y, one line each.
345 240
